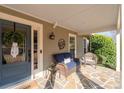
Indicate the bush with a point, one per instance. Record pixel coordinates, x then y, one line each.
105 48
101 59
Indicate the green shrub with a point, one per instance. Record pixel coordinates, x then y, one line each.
101 59
105 48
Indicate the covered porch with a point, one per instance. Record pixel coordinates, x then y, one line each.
58 29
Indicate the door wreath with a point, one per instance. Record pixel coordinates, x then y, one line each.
10 36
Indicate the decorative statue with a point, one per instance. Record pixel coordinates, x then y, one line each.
14 49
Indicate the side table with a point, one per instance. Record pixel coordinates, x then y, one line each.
52 69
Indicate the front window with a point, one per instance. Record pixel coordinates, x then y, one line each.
13 43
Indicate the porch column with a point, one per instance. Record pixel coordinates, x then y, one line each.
118 51
118 61
85 44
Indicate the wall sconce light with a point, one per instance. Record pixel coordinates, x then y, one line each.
52 36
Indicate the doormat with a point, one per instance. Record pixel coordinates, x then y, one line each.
29 85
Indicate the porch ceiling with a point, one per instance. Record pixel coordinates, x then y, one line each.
80 18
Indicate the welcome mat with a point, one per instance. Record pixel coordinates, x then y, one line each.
29 85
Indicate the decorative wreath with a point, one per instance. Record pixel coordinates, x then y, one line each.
61 43
11 36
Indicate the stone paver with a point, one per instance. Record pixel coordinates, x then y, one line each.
29 85
70 85
87 78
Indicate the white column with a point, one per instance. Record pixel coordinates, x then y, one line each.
87 45
118 63
118 52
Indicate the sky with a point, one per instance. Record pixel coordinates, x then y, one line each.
111 34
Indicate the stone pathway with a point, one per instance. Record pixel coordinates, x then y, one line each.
29 85
87 78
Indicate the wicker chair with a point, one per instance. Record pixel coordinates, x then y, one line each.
90 59
66 69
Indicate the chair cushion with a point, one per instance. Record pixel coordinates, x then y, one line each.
59 58
67 55
71 65
67 60
89 60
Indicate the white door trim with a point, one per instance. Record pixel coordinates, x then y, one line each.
33 25
72 35
36 73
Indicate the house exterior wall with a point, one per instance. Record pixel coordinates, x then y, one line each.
50 47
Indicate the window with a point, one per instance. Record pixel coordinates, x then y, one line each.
72 44
35 50
14 43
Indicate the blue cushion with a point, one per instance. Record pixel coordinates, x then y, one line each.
67 55
71 65
59 57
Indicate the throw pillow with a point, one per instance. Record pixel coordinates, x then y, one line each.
67 60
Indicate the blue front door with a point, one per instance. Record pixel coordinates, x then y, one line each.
15 52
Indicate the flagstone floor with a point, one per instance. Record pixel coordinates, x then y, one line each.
87 78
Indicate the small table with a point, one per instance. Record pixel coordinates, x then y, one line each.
53 71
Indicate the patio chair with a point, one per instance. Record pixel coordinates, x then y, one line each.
66 63
90 59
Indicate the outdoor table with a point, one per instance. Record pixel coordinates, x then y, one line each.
52 69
